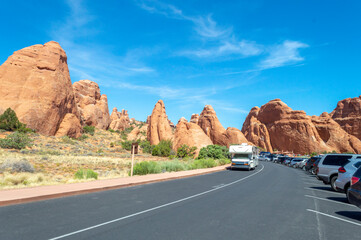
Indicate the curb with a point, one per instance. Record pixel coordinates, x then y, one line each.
96 189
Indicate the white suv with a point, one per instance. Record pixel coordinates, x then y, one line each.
327 170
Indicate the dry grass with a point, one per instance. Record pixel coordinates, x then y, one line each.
56 160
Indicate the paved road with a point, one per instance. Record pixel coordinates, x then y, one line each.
273 202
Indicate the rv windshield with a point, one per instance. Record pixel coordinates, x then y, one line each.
240 156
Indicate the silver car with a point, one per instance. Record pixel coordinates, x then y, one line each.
302 164
294 162
345 174
327 169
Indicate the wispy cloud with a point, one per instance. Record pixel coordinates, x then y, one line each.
94 61
283 54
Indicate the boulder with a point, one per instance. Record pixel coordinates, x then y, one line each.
119 120
159 128
210 124
70 126
93 106
35 83
190 134
348 115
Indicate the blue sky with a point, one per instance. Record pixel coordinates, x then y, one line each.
233 55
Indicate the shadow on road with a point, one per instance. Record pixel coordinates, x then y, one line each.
355 215
326 189
339 199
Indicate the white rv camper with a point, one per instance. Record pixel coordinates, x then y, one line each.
244 156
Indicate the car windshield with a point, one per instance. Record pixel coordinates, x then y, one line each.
240 156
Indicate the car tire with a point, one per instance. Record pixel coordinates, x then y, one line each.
333 183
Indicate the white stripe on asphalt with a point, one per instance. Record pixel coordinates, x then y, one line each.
155 208
328 215
324 191
329 200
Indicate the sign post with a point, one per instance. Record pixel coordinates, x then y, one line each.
134 151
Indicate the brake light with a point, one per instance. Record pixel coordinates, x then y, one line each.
341 170
354 180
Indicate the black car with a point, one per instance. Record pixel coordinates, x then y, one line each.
354 191
309 164
281 159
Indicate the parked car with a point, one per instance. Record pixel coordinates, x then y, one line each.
313 168
281 159
354 191
294 161
327 170
345 173
302 163
262 156
310 162
287 161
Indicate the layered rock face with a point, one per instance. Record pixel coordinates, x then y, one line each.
255 131
35 83
210 124
190 134
119 120
159 128
93 106
277 126
194 118
348 115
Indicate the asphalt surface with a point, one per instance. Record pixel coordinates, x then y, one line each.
272 202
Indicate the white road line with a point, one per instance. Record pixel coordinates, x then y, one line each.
329 200
324 191
328 215
155 208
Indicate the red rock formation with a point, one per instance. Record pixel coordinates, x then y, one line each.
159 128
35 83
255 131
210 124
194 118
93 106
348 115
119 120
190 134
70 126
138 133
294 131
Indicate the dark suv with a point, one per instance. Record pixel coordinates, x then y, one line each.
354 191
310 161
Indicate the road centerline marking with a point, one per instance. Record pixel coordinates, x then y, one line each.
331 216
155 208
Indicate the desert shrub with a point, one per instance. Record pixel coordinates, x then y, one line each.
85 174
214 151
203 163
173 166
10 122
186 151
163 149
111 130
68 140
127 145
125 132
146 147
16 140
16 166
223 161
89 130
144 168
82 137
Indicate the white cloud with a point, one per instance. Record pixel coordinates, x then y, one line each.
283 54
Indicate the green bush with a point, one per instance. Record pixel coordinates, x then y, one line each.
144 168
68 140
214 151
146 147
125 132
85 174
127 145
10 122
89 129
82 137
186 151
16 140
173 166
203 163
223 161
163 149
